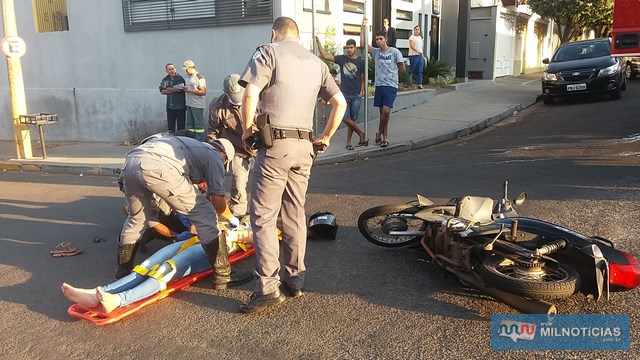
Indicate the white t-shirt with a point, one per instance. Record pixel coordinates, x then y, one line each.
418 43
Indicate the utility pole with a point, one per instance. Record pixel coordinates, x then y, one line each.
14 47
315 50
366 73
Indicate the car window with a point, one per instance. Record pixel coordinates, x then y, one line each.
582 50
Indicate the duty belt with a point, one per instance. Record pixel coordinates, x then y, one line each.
292 134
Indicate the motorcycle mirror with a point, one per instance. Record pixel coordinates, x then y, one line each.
520 199
423 201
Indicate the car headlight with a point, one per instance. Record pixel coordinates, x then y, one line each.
549 76
609 70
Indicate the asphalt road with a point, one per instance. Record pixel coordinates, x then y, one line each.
579 161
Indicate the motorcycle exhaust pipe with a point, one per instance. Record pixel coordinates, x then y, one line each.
524 305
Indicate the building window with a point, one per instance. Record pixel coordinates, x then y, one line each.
322 6
351 29
353 6
403 33
50 15
142 15
404 15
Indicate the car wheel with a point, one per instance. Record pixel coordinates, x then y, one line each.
548 100
628 71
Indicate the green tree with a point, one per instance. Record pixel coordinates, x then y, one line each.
330 45
573 17
600 17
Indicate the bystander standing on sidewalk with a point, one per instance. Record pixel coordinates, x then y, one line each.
416 57
389 65
196 90
352 87
175 98
225 121
389 34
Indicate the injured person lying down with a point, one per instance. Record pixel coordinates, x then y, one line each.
171 262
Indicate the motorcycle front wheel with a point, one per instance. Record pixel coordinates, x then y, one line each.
540 283
391 225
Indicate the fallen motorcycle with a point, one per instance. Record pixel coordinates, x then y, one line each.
520 261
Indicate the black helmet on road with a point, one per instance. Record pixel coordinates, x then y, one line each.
323 225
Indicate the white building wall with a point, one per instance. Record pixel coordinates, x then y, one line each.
102 81
504 51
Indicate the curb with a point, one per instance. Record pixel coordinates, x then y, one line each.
59 169
420 143
321 161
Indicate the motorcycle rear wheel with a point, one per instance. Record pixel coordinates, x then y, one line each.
546 284
375 224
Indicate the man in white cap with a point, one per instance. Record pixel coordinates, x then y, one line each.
169 166
225 122
196 89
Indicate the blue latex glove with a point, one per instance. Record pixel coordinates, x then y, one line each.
184 220
185 235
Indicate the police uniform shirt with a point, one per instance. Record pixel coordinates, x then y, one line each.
292 79
225 121
199 161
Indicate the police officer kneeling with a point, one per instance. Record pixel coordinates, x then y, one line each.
169 166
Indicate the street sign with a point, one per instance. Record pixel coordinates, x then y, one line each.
13 47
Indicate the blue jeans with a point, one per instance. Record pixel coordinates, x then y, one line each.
416 64
353 106
134 286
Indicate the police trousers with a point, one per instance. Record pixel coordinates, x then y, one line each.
278 187
146 174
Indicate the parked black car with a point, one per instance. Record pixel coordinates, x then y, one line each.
633 67
583 67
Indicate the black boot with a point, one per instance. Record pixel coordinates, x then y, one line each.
217 254
126 259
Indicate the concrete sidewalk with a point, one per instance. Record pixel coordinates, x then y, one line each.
468 108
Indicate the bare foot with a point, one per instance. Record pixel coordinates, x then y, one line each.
109 301
85 297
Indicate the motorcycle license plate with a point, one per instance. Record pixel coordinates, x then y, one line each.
576 87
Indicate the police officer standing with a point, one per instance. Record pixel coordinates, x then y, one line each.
168 166
286 79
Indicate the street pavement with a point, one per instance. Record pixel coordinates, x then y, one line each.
457 111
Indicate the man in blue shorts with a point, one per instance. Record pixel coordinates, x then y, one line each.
389 65
352 87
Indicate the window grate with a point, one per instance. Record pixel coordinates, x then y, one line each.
141 15
50 15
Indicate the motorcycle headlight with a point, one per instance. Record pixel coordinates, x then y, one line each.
549 76
609 70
